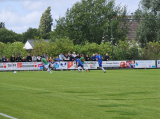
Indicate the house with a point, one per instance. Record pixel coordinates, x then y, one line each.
29 45
132 30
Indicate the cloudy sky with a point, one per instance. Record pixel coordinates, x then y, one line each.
19 15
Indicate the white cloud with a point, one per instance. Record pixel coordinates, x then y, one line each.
34 5
8 16
23 28
31 17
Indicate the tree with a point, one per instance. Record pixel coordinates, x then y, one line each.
2 45
148 30
31 33
2 24
151 51
9 36
90 20
46 21
53 48
13 48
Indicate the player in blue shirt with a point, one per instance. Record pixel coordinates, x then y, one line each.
79 65
99 59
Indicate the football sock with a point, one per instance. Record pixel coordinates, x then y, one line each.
79 68
103 69
82 69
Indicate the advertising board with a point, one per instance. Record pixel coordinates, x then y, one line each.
145 64
158 63
113 64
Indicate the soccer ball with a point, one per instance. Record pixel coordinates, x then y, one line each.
15 72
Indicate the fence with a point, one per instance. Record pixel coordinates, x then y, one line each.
63 65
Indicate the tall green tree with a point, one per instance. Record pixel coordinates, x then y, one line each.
90 20
31 33
46 21
149 30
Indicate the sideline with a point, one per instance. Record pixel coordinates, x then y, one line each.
7 116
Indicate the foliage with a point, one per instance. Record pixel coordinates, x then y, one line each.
53 48
125 50
151 51
149 30
90 20
46 21
2 24
9 36
2 45
31 33
14 48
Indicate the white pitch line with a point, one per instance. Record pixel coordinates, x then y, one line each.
7 116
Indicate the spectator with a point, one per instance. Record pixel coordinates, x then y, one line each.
34 59
78 56
52 64
106 57
61 56
87 58
50 59
47 57
38 58
93 58
18 59
57 59
82 58
69 56
12 58
4 59
74 55
66 58
29 58
23 59
44 55
7 60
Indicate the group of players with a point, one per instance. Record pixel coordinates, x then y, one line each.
79 64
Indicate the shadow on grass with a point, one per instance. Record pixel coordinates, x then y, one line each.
77 92
42 92
123 112
122 118
113 105
127 93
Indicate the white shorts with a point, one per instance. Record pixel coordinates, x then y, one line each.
46 66
52 65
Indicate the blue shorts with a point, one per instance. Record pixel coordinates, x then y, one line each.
100 64
80 65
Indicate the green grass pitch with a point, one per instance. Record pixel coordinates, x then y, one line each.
116 94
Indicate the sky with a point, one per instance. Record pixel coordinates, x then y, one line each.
19 15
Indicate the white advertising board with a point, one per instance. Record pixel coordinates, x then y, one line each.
158 63
21 66
113 63
90 64
28 65
1 66
60 65
145 64
87 64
